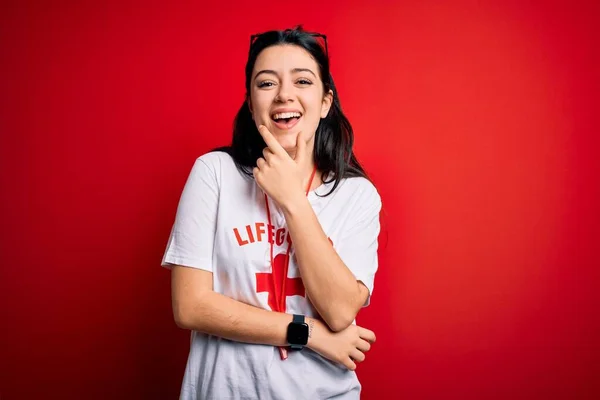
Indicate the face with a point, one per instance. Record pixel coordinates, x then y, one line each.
286 94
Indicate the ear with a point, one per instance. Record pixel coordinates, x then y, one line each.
327 102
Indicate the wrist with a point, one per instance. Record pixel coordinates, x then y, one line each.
314 331
295 206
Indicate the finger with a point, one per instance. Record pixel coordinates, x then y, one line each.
367 335
270 141
261 163
348 363
268 154
363 345
256 172
357 355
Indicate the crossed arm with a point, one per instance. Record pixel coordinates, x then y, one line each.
331 286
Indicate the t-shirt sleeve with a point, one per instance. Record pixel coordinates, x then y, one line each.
192 235
359 243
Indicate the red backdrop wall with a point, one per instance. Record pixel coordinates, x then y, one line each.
477 120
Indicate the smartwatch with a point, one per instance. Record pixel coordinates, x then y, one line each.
297 332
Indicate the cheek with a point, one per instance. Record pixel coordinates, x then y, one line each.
312 105
261 102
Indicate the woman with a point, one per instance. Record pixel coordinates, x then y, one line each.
286 199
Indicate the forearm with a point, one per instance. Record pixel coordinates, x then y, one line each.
225 317
330 285
219 315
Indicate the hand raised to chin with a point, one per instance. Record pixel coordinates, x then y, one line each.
280 176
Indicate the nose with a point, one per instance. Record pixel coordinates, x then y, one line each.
285 93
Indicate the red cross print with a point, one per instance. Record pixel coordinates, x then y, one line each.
264 283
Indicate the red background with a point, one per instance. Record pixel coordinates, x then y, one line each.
477 120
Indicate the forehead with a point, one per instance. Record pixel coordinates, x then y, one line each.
282 58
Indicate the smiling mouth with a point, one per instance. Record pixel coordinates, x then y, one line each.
286 120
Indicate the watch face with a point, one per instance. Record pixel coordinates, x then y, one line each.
297 334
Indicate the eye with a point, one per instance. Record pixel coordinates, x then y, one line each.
303 81
265 84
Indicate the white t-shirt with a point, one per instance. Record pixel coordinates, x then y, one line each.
221 226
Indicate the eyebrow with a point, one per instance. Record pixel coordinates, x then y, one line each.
295 70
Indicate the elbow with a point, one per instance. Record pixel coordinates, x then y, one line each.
341 318
340 322
183 315
190 312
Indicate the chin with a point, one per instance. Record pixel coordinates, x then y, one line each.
285 136
288 143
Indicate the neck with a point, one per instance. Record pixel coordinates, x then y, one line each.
308 173
308 170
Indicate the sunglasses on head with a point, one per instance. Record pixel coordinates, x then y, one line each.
320 38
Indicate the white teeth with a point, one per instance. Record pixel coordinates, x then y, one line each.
287 115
